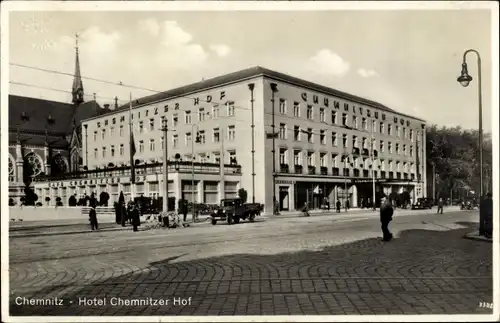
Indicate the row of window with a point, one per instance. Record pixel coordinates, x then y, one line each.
336 160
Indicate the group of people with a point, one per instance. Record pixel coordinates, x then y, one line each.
123 215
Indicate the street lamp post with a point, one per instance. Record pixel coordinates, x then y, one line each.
464 79
193 139
274 89
251 87
165 164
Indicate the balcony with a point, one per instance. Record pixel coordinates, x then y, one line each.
284 168
298 169
144 169
382 174
323 170
365 173
346 171
311 170
356 172
335 171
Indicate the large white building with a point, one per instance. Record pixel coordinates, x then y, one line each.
233 116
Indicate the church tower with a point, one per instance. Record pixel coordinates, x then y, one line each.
77 90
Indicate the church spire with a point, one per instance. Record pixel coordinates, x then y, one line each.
77 90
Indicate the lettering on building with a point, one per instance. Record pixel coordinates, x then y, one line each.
176 106
222 94
156 111
325 101
196 101
361 110
315 99
368 114
395 119
402 122
122 118
346 107
209 98
336 104
407 123
284 182
304 96
105 122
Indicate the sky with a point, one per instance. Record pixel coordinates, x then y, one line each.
406 60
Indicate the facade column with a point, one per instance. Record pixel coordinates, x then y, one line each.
19 163
354 202
46 160
424 161
201 191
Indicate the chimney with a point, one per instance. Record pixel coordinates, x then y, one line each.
106 106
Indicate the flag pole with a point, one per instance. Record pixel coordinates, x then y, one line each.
132 152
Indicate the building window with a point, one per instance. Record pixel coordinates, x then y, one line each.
216 136
404 133
309 135
188 139
231 132
95 135
103 134
309 112
230 109
411 135
121 131
397 166
322 160
374 126
364 124
296 157
282 106
389 147
411 151
334 160
381 127
201 114
175 140
344 119
201 136
151 145
322 115
334 117
296 133
162 142
389 130
344 140
112 151
322 137
95 153
175 120
354 122
397 149
111 131
397 131
215 111
151 124
296 109
391 165
405 152
232 156
382 148
334 139
282 133
365 142
310 158
122 150
187 117
103 152
354 141
141 146
283 159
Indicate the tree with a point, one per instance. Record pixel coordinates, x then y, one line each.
72 201
47 199
29 196
243 195
103 198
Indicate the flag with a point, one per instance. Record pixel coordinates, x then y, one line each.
132 144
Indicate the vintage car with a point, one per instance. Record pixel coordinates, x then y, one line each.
422 204
234 210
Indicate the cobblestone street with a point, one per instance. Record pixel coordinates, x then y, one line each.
293 266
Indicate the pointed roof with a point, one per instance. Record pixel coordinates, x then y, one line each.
77 89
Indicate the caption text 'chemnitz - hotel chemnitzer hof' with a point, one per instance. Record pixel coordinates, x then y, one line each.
328 145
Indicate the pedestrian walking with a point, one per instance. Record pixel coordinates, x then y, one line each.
184 210
386 212
305 210
347 205
440 205
338 205
94 225
135 217
486 208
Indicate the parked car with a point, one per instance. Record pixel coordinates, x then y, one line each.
422 204
234 210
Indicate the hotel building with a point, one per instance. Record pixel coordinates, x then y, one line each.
326 144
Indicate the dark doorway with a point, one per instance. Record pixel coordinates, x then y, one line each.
284 198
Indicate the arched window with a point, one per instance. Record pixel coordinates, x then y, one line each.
12 171
58 165
33 165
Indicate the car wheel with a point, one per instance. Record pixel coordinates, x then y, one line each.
229 219
236 219
214 221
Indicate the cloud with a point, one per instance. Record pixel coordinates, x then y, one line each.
366 72
327 62
221 50
150 26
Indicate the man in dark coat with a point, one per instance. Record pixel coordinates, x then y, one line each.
487 208
93 218
440 206
135 217
386 212
339 205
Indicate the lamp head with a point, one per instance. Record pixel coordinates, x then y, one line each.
464 78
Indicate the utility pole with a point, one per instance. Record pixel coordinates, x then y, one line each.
193 139
165 164
251 87
274 89
372 148
221 162
434 181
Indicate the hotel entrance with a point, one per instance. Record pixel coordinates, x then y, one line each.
284 198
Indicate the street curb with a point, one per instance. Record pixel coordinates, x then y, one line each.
64 232
475 236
